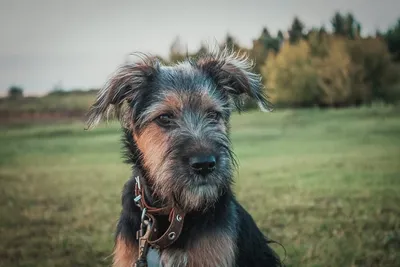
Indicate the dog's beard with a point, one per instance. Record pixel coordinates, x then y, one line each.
188 193
198 197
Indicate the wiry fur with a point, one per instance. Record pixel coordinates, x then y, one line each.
123 86
217 230
233 72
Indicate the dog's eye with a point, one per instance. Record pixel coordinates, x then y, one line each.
214 116
164 120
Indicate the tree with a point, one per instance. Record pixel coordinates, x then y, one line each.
296 31
176 51
322 31
291 76
334 79
349 26
280 35
280 38
265 33
378 34
259 54
319 42
392 38
372 57
358 30
231 43
268 42
338 24
203 50
263 45
15 92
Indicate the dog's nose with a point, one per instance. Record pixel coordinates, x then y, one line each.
203 164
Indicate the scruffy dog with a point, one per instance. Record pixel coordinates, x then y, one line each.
178 208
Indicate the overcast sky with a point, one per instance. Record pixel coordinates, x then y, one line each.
80 42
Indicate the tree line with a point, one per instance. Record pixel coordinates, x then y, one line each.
304 67
317 67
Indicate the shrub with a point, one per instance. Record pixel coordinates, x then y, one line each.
15 92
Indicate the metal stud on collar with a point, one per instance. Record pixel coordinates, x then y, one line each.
171 235
138 182
136 199
143 215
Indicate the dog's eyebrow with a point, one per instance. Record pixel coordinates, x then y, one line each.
173 103
154 111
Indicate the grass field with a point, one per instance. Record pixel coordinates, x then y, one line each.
325 184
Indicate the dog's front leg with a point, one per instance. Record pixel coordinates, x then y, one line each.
125 253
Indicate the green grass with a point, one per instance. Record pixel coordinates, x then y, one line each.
325 184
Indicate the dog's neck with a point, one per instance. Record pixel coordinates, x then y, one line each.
151 198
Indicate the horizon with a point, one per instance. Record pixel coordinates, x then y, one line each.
76 45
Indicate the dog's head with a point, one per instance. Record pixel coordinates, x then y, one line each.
178 117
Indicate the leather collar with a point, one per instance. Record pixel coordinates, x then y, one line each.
176 219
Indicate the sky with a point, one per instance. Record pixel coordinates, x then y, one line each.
79 43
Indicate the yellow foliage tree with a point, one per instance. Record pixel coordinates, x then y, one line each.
379 73
291 76
331 71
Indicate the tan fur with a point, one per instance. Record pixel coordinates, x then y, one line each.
174 101
214 249
177 102
124 253
152 142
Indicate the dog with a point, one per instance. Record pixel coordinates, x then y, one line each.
178 205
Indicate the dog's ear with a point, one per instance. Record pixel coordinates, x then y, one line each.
233 73
122 87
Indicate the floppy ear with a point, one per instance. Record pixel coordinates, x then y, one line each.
233 73
123 86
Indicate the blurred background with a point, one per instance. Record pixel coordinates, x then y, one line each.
320 175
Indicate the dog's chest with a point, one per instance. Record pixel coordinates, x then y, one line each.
216 249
